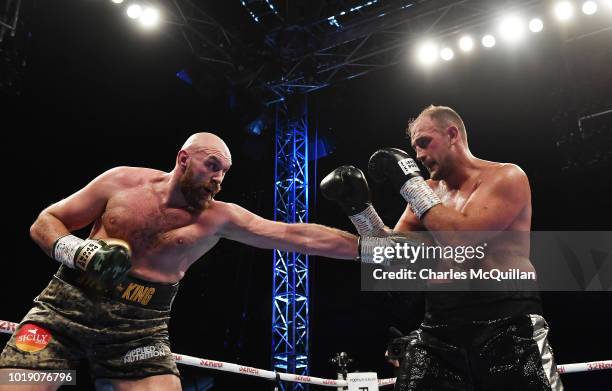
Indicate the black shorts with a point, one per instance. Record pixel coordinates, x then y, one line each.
121 335
505 354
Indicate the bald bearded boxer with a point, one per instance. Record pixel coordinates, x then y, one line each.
155 225
483 339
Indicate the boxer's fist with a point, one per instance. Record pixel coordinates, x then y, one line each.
105 260
348 187
393 164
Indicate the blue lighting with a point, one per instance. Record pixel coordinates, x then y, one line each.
271 6
290 272
324 146
257 17
184 76
256 126
334 22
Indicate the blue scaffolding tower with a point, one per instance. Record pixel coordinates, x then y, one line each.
290 274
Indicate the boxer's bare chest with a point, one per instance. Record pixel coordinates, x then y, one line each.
139 217
501 248
457 198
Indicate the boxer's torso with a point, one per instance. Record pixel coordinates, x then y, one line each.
508 249
165 241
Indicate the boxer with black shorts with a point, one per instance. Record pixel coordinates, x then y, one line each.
109 303
469 340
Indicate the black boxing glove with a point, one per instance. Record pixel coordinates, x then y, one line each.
397 166
348 187
106 261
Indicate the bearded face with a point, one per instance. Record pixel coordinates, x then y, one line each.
197 192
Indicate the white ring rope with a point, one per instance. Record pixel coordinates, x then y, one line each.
7 327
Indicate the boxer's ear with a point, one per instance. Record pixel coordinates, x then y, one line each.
453 134
181 160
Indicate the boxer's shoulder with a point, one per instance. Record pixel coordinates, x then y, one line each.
134 173
497 168
216 206
126 176
225 211
495 172
222 216
506 172
217 214
505 179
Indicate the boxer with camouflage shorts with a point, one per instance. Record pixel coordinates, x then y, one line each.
109 303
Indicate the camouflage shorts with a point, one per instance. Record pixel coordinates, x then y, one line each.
67 326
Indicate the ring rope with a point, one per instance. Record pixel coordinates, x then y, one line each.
7 327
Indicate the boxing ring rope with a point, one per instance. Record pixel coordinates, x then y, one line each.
7 327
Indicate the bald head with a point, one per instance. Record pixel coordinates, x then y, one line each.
444 117
208 144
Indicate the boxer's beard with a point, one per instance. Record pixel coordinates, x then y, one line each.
197 195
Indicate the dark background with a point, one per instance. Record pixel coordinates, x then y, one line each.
97 93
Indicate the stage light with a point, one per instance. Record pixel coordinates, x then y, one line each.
117 1
134 11
536 25
149 17
256 126
564 10
447 54
488 41
427 53
511 28
589 7
466 43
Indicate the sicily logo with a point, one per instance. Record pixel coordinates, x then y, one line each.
31 338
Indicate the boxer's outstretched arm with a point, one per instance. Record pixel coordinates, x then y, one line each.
243 226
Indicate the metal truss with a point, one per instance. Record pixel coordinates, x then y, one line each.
13 48
346 39
9 17
290 326
382 39
262 10
207 40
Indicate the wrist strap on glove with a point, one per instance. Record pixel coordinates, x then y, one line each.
65 249
419 196
368 222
